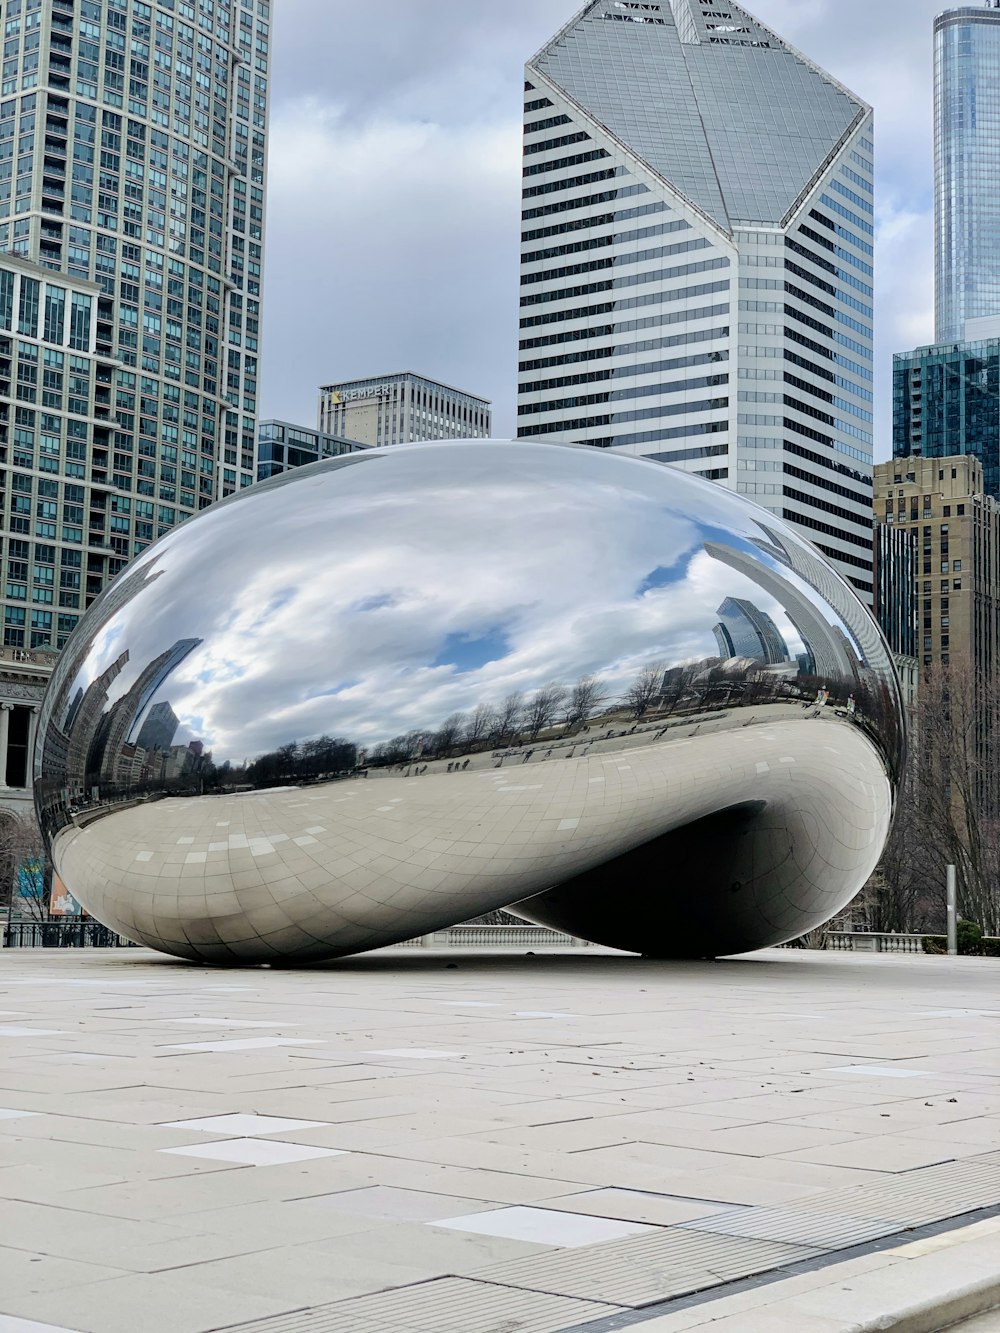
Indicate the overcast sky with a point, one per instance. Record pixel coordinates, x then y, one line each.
393 220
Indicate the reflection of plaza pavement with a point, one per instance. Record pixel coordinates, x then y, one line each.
447 1141
369 861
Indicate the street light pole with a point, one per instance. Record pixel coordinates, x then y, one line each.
952 912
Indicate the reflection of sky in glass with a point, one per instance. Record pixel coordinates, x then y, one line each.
370 601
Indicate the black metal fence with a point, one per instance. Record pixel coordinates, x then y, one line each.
62 935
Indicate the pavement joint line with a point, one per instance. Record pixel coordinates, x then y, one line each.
629 1319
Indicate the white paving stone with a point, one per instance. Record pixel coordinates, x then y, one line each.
545 1227
252 1152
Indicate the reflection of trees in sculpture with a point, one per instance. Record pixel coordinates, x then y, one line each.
308 759
542 709
507 718
585 698
555 708
644 689
477 727
449 732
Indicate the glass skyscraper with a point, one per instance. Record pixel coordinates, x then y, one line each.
946 401
697 260
132 176
967 162
946 397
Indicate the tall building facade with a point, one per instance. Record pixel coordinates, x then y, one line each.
399 409
697 260
946 401
966 160
954 563
133 142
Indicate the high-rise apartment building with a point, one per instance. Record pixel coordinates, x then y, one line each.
133 141
946 401
132 177
953 562
696 281
399 409
966 162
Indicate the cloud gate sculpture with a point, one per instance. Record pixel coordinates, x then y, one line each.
395 690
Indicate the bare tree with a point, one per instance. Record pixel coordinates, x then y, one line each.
585 698
955 766
477 727
24 867
644 689
449 732
543 709
507 717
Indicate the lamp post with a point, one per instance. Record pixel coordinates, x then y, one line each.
952 895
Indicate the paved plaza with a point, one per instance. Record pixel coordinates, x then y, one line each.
452 1142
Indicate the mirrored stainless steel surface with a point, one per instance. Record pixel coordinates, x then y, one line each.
388 692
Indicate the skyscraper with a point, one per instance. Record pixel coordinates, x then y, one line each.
133 142
946 397
966 161
696 279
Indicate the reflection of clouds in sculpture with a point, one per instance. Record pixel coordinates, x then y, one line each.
405 661
379 616
408 636
388 689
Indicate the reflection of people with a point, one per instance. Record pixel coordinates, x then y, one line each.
852 707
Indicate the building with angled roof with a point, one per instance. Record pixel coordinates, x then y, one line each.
697 260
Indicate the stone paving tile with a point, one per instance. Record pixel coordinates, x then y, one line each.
662 1096
447 1306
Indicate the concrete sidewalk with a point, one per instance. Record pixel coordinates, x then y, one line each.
421 1142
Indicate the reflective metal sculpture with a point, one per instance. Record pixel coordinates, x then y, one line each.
388 692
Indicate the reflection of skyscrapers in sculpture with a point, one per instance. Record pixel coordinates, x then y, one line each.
827 656
84 711
114 728
865 638
159 729
745 630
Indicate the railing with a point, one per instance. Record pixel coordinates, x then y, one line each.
62 935
869 941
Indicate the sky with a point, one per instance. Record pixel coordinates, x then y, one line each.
395 177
